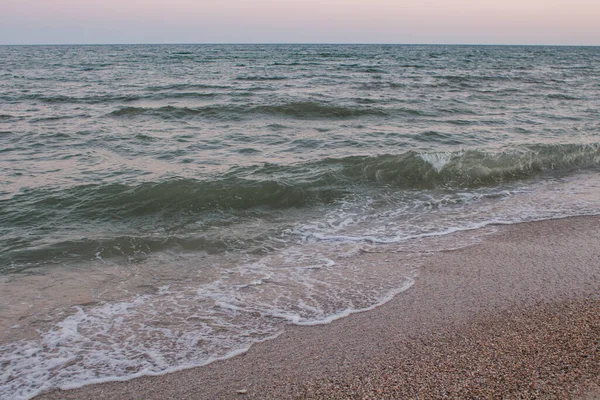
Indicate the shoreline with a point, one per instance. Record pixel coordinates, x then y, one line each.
525 287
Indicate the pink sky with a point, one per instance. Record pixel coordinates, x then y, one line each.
273 21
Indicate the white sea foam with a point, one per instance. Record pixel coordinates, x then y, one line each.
438 160
181 325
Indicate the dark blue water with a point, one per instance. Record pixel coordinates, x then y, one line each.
162 206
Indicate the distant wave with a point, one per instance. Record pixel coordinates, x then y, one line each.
185 86
261 78
108 98
301 110
561 96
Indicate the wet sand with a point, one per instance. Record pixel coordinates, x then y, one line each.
515 316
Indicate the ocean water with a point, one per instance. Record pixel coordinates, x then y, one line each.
162 207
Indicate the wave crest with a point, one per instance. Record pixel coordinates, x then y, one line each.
298 185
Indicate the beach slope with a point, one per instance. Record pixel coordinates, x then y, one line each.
516 315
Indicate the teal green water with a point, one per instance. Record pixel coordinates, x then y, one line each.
146 139
213 180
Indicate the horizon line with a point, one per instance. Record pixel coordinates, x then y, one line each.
299 43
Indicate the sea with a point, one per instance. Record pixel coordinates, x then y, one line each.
166 206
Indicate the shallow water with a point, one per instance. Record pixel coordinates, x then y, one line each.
164 206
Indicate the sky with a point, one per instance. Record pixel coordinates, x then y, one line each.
562 22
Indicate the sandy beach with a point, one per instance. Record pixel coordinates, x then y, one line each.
514 316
